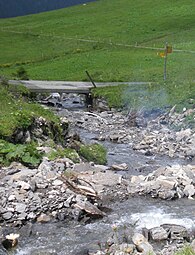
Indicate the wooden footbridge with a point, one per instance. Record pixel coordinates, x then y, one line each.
78 87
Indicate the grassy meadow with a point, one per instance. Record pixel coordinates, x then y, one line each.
101 37
114 41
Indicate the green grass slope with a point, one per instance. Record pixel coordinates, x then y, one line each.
101 37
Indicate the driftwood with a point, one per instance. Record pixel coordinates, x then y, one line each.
74 184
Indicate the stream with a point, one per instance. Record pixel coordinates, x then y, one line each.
135 213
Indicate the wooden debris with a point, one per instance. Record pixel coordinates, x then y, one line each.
75 185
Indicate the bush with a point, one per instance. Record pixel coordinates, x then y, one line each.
94 152
26 154
21 73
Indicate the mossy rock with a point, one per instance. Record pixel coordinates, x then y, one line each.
94 152
67 152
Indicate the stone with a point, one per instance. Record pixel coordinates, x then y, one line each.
31 216
83 251
176 232
189 190
121 167
183 134
43 218
138 239
7 215
57 182
127 248
145 248
158 234
24 185
20 207
40 185
24 174
22 216
11 198
120 253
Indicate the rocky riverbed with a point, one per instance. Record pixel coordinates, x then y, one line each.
61 191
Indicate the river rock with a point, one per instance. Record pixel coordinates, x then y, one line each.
121 167
24 185
158 234
142 244
167 183
57 183
7 215
43 218
138 239
189 190
176 232
126 248
145 248
20 207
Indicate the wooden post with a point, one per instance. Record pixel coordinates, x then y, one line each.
91 79
165 62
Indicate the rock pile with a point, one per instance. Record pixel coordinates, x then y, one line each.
46 193
166 183
163 240
148 136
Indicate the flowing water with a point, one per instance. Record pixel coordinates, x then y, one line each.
134 213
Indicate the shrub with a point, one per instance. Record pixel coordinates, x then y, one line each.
21 73
26 154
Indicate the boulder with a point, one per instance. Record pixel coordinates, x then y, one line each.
158 234
176 232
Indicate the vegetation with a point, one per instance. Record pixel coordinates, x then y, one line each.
61 45
16 113
64 152
22 74
27 154
112 45
185 251
150 96
94 152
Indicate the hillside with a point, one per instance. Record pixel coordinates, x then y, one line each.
107 38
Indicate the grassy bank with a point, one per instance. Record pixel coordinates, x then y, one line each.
16 113
149 96
100 37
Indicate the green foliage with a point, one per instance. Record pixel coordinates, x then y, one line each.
94 152
21 73
190 120
15 114
104 42
19 90
64 152
149 96
27 154
185 251
123 46
113 95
